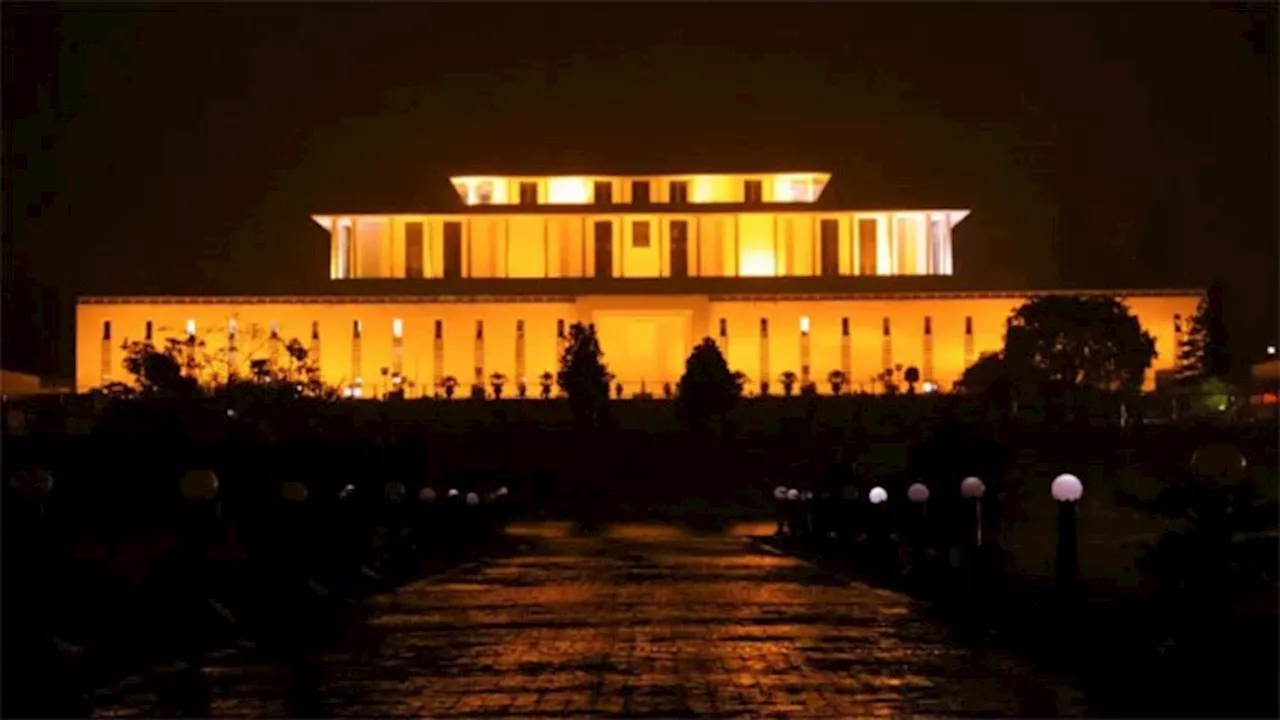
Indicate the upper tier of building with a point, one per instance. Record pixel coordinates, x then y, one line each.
691 189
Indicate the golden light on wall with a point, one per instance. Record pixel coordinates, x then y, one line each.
191 327
568 191
758 263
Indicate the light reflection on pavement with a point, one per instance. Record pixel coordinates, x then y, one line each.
639 620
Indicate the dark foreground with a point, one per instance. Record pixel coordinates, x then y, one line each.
633 619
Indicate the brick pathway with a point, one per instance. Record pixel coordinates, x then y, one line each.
641 620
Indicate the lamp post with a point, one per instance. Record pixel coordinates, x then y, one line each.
918 494
1067 490
972 489
780 510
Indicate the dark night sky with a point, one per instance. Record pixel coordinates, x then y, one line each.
180 149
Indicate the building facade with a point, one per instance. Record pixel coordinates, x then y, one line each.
783 283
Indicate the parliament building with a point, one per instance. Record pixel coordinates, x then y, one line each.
782 282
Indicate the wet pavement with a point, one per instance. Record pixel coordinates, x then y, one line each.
634 620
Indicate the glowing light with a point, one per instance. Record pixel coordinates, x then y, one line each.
971 488
930 386
756 263
1271 349
878 495
918 493
780 493
397 328
793 494
568 191
275 327
231 326
473 499
426 494
1066 488
804 324
191 326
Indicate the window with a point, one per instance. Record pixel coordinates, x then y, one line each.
355 329
724 327
928 325
753 191
148 330
968 325
479 329
640 234
867 246
804 324
640 192
397 328
528 193
345 250
275 328
567 191
604 192
106 329
315 329
844 327
886 327
788 188
679 192
439 330
519 328
559 328
482 193
1177 323
413 250
829 230
232 327
764 327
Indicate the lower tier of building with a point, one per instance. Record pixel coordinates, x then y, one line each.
370 345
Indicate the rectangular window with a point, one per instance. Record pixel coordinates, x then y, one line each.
640 192
519 328
275 328
752 191
886 327
528 193
764 327
482 193
867 246
844 327
830 232
604 192
968 325
439 330
148 330
479 329
413 249
928 325
315 329
724 327
452 250
804 324
397 328
679 192
679 248
346 250
355 328
106 329
191 327
640 234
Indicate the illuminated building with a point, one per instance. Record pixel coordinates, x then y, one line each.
757 262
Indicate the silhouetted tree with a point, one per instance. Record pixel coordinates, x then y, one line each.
837 380
788 380
1204 352
166 371
1080 342
911 376
583 375
708 389
497 380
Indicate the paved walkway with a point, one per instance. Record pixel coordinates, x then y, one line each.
640 620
